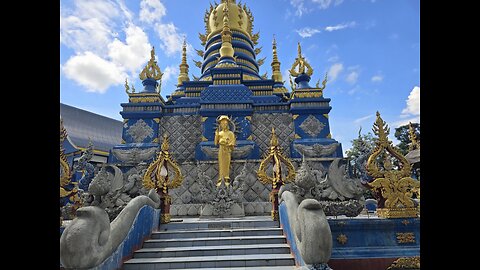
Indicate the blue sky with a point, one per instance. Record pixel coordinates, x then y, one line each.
371 49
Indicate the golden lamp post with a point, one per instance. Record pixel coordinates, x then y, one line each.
158 177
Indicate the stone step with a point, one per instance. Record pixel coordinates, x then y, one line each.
212 251
217 233
227 223
253 260
215 241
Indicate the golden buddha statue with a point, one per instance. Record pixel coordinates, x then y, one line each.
226 140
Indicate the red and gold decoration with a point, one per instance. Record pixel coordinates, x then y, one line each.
276 158
159 178
395 186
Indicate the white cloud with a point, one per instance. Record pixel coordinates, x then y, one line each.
134 52
352 77
334 71
103 10
354 90
324 4
286 78
299 6
404 122
171 40
413 103
93 72
377 78
307 32
340 26
362 119
83 34
152 11
170 72
333 59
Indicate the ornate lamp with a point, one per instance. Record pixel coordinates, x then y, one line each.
276 158
158 177
395 186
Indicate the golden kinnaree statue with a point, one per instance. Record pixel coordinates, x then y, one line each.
226 140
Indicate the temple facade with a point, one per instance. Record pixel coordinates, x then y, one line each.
230 84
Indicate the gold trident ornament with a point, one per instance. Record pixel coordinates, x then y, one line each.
396 186
157 177
276 158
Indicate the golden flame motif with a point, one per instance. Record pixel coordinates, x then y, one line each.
157 173
302 64
276 157
151 70
396 186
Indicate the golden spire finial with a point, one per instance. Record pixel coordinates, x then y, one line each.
275 157
151 70
413 137
183 76
301 63
127 88
165 144
276 73
274 140
227 49
381 129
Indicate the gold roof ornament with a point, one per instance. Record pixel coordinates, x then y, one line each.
324 82
276 72
415 144
277 158
302 64
227 49
151 70
65 173
396 186
240 19
157 176
183 76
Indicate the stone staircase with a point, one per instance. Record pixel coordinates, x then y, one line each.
230 243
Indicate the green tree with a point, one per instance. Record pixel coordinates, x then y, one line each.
401 133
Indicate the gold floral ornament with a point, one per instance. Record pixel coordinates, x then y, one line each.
151 70
276 157
65 172
396 186
157 176
302 64
405 263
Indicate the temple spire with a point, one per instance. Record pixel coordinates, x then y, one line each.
183 76
276 73
302 64
226 51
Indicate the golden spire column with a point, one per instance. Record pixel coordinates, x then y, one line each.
157 177
276 73
276 158
183 76
226 51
